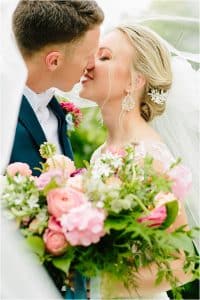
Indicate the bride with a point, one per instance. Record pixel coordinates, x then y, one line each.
130 83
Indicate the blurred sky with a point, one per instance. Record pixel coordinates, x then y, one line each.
113 9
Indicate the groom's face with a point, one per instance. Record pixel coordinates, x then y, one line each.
75 59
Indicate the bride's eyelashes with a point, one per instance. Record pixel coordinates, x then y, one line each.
103 58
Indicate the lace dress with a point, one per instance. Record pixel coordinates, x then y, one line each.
161 154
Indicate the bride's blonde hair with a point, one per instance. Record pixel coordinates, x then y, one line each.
152 60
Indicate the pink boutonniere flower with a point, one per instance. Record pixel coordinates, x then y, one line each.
73 115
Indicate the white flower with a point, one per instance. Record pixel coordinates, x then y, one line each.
19 199
100 204
33 202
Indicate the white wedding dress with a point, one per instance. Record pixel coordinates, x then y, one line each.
160 153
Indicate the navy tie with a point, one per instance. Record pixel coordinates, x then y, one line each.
79 291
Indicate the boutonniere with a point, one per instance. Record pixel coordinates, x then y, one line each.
73 115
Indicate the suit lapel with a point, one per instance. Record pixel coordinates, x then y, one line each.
30 121
62 127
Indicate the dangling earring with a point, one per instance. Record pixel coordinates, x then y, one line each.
128 103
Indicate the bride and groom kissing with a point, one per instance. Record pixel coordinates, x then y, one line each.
127 75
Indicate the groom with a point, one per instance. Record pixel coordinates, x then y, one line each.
58 40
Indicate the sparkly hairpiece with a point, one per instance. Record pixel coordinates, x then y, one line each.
158 96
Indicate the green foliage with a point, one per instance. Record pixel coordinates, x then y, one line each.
37 245
63 262
88 136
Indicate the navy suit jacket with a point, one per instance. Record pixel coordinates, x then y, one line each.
29 135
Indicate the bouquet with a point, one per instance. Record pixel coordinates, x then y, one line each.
112 217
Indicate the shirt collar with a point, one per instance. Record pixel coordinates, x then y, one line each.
38 100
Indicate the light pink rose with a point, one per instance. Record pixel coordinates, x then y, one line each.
83 225
44 179
18 167
54 238
54 224
156 217
162 198
76 182
62 162
55 242
61 200
182 181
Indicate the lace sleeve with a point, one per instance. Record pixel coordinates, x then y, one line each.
96 154
157 150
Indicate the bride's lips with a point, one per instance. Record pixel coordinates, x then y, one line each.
86 78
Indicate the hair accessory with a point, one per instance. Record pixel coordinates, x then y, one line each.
158 96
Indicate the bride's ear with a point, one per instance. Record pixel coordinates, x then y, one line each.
139 82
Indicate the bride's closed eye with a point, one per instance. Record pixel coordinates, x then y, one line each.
104 54
104 58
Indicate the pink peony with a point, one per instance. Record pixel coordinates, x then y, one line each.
62 162
76 182
44 179
182 181
18 167
155 218
61 200
83 225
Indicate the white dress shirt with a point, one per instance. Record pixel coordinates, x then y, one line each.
45 116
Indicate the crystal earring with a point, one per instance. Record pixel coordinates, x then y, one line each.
128 103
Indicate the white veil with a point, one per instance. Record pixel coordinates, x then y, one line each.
21 275
179 127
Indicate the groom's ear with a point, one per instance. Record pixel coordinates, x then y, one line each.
52 60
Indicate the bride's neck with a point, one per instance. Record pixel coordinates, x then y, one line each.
123 128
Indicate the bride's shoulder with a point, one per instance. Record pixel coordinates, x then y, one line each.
157 149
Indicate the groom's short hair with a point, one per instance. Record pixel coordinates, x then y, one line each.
37 24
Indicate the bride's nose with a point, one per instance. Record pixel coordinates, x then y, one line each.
91 63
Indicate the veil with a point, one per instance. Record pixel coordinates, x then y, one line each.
179 127
22 277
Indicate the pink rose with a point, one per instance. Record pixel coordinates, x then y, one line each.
62 162
54 224
61 200
76 182
182 181
155 218
83 225
54 239
55 242
44 179
18 167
